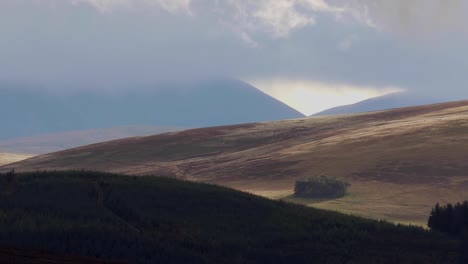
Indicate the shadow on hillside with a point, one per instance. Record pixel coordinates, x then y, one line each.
307 201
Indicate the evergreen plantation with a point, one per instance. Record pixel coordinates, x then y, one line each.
450 219
160 220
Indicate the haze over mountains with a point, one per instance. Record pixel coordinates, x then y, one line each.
34 112
176 131
60 141
47 120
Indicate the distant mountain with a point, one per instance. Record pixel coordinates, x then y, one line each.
29 111
390 101
60 141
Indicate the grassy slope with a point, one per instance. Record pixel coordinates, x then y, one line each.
399 162
7 158
159 220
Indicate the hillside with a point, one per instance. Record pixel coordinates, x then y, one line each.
384 102
6 158
158 220
60 141
44 110
399 162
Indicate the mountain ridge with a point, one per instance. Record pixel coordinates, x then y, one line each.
184 104
384 102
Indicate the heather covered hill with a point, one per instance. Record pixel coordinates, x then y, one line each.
34 111
158 220
399 162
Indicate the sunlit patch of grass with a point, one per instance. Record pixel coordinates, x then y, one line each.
7 158
358 204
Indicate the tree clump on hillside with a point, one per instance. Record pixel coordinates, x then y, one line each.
320 187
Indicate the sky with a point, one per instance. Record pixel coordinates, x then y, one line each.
310 54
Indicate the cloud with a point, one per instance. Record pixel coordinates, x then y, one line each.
106 6
279 18
103 6
136 43
347 43
173 6
413 17
276 18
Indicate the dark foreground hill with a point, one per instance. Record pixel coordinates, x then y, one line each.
159 220
14 255
36 111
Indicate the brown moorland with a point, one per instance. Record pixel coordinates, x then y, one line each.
399 162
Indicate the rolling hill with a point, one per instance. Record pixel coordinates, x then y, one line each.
146 220
37 111
384 102
400 162
60 141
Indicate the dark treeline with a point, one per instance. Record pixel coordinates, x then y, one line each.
159 220
450 219
453 220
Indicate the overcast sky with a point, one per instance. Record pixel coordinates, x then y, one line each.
312 54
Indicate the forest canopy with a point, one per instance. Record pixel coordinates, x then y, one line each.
147 220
